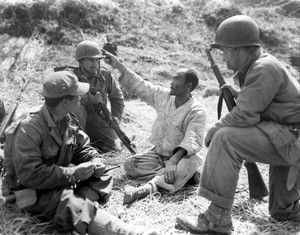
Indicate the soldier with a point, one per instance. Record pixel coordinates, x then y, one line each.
103 137
262 127
177 133
47 151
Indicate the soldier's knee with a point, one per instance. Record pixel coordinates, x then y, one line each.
128 165
130 168
224 134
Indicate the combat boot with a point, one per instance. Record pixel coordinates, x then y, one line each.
214 220
107 224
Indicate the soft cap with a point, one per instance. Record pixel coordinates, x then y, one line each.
63 83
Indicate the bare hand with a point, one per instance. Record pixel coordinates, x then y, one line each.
232 90
170 173
113 61
116 119
84 171
110 58
95 99
99 169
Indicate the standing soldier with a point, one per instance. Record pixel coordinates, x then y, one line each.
102 135
262 127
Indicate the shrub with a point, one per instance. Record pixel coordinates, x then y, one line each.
56 20
271 37
17 20
215 18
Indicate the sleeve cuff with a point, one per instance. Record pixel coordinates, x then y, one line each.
69 173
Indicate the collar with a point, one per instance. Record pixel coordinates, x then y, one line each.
241 73
48 115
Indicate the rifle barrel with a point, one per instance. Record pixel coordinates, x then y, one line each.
8 118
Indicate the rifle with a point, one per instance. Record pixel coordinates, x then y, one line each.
7 120
257 187
101 108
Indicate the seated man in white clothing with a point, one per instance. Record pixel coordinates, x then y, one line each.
177 133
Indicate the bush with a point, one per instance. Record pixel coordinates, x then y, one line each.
17 21
215 18
271 37
56 20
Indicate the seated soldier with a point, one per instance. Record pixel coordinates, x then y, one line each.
47 151
106 89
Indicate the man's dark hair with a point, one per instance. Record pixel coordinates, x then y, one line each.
53 102
190 76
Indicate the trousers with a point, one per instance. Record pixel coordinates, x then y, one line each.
150 166
102 135
229 147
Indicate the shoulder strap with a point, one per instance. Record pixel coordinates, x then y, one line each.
109 82
220 104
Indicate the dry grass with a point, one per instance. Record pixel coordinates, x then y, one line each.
155 38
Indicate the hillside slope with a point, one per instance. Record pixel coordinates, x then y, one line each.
154 38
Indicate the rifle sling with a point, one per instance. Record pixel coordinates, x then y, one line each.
220 104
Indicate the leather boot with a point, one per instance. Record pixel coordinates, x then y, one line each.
215 219
107 224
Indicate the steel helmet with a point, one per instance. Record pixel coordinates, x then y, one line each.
88 49
237 31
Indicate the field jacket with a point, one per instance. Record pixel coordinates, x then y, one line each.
39 154
269 99
174 127
106 85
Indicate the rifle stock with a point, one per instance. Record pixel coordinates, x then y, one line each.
257 187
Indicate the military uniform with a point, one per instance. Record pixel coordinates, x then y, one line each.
40 154
257 129
47 151
262 127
